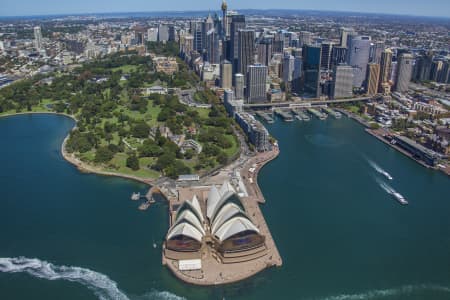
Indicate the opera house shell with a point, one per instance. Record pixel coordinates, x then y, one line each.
222 225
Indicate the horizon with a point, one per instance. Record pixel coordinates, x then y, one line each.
78 9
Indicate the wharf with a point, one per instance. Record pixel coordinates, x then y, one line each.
287 117
266 117
317 114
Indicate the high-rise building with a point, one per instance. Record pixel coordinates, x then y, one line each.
342 86
246 49
226 75
172 33
358 58
405 69
288 68
311 70
327 48
346 35
423 66
436 69
212 47
237 23
239 84
163 33
298 70
207 25
338 56
373 76
376 50
264 51
225 32
385 69
152 35
37 38
305 38
197 32
444 75
256 83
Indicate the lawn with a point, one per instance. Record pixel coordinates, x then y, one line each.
120 160
125 69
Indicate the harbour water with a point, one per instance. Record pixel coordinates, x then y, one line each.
68 235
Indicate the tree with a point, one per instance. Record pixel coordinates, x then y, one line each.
140 130
133 162
103 155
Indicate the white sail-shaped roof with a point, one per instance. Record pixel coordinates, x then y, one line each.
217 198
185 229
190 217
196 206
228 211
234 226
213 199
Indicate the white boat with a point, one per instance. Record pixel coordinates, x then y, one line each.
400 198
387 175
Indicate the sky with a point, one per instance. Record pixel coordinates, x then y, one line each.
45 7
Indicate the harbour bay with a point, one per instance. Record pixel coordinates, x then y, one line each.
338 231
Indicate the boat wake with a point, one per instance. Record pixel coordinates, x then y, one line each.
390 190
380 170
392 293
102 286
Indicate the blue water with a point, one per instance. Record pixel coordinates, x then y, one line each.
340 234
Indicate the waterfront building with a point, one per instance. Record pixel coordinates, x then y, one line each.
239 83
37 37
342 86
256 83
373 75
223 225
385 69
404 75
358 58
246 49
226 75
327 51
257 134
311 70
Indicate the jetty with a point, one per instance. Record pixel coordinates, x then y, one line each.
286 116
317 113
266 117
333 113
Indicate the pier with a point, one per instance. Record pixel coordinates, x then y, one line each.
265 116
300 115
317 114
333 113
286 116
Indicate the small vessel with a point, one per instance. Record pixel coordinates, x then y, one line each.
298 118
154 245
400 198
387 175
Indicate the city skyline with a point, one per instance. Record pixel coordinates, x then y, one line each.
46 7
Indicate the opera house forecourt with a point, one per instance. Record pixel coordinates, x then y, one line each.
212 238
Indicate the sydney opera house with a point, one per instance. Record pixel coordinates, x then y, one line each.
216 223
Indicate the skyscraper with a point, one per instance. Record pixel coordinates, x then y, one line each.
225 32
373 76
305 38
256 83
197 32
264 51
342 82
288 68
212 46
405 69
311 70
358 57
376 51
237 23
37 38
239 84
152 34
246 49
226 75
327 48
385 69
298 70
163 33
346 36
338 56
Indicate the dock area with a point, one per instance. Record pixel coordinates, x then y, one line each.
332 112
286 116
317 113
265 116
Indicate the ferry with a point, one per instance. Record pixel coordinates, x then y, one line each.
400 198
